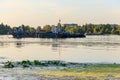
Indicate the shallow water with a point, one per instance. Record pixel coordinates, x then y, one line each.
92 49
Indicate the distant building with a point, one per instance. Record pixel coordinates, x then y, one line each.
70 25
58 29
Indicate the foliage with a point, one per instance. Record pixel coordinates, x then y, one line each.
37 62
56 63
8 65
47 28
4 29
90 29
38 29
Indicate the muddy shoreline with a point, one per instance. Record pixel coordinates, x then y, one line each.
59 70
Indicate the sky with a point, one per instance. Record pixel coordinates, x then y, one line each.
42 12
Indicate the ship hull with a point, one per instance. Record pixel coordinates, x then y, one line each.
47 35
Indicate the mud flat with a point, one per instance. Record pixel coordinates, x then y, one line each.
58 70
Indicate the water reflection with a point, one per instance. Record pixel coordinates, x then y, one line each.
4 44
89 49
1 44
87 42
55 44
19 44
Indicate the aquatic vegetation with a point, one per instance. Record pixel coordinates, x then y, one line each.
64 69
25 65
8 65
26 62
56 63
35 63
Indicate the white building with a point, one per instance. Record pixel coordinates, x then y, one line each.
58 29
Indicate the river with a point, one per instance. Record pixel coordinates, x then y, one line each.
92 49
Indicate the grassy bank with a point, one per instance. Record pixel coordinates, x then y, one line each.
75 70
90 72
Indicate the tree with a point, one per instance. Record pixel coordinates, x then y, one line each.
38 29
47 28
118 29
4 29
32 30
95 31
113 31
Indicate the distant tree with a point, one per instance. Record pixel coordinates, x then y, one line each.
25 28
96 30
113 31
87 28
47 28
118 29
32 29
4 29
38 29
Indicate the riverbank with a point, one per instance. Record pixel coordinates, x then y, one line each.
53 70
88 72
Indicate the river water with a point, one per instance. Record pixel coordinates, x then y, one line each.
92 49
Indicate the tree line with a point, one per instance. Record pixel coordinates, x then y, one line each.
90 29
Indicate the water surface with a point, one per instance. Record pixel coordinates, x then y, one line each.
92 49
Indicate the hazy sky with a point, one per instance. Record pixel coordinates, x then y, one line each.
42 12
